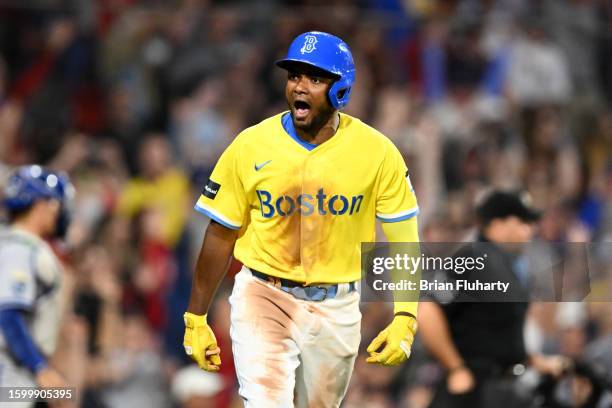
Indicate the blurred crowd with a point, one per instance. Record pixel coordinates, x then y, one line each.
136 99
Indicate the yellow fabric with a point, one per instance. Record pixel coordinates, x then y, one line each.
404 231
200 338
397 337
302 213
168 195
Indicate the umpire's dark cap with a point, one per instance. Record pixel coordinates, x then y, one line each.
502 204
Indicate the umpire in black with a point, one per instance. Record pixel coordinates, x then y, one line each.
478 340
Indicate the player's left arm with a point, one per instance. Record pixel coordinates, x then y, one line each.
397 208
398 336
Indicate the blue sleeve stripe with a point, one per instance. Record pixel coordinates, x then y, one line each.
19 341
400 218
212 216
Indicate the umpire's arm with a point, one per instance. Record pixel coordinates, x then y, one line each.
436 336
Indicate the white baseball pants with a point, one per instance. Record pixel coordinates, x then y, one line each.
290 352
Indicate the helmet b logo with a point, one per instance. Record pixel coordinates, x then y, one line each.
309 44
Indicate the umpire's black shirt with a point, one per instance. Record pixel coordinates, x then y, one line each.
486 332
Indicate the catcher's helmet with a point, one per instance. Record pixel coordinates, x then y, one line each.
329 53
29 184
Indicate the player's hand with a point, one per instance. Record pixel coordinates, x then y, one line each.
200 342
49 378
554 365
397 338
460 380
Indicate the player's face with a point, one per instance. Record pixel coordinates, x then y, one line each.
306 93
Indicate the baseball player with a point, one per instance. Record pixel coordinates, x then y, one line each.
37 204
292 198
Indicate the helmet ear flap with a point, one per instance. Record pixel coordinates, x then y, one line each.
339 93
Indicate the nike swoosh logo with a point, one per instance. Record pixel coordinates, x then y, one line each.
258 167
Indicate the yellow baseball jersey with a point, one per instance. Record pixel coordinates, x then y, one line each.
303 210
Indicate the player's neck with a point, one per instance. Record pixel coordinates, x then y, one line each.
29 225
322 134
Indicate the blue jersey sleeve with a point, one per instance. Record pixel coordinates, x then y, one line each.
19 341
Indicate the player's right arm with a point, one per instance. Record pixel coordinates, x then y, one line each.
437 338
224 201
213 262
214 259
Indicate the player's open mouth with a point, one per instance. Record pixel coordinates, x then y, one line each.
301 109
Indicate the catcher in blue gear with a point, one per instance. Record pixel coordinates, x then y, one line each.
37 202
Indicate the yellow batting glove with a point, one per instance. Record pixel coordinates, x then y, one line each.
397 337
200 342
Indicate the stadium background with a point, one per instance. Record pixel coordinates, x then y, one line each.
136 100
